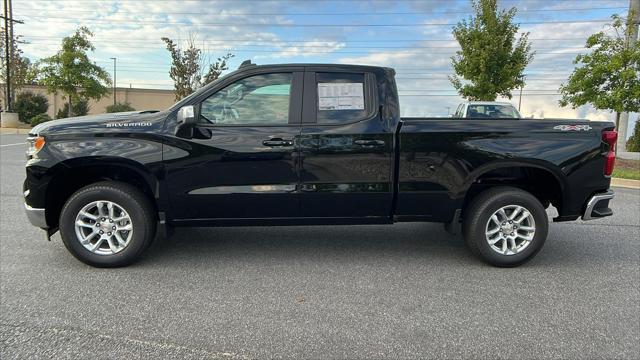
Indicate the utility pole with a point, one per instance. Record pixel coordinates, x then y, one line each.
634 13
7 45
11 43
114 80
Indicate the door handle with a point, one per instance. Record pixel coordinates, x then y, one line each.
368 142
277 142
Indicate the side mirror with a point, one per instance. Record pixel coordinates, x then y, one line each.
186 121
186 116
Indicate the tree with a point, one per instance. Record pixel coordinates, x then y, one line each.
216 69
187 67
79 108
23 72
72 72
28 105
609 76
119 107
633 143
490 60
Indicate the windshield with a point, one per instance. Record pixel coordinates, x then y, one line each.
478 111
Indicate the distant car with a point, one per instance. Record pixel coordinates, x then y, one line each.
486 109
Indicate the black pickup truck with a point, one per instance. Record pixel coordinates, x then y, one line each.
301 144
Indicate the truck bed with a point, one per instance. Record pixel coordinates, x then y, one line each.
441 158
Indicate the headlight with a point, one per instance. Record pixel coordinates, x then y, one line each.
36 143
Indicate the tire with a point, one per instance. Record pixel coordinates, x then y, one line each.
131 209
479 226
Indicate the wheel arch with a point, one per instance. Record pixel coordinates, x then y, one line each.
544 180
67 177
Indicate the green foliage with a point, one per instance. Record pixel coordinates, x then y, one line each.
72 72
28 105
491 60
609 76
216 69
119 107
187 67
79 108
633 144
39 119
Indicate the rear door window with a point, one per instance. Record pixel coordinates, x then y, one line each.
341 98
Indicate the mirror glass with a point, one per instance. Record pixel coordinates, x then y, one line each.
186 115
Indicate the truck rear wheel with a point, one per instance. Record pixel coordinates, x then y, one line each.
505 226
107 224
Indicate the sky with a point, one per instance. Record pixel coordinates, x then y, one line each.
412 36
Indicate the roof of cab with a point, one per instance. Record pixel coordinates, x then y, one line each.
249 64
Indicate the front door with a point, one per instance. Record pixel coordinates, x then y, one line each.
243 156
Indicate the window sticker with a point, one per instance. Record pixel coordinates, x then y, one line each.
340 96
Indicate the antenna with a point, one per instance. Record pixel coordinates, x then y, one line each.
246 63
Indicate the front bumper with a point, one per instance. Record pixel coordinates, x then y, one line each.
598 206
36 217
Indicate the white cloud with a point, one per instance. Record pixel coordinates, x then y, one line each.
311 48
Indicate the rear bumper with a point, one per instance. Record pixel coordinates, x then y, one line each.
598 206
36 216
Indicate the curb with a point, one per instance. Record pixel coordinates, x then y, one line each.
625 183
14 131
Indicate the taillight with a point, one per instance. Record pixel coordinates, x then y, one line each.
610 137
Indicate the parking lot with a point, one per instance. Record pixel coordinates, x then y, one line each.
401 291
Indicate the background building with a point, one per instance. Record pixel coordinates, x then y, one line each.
139 99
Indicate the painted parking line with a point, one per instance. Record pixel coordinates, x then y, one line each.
21 143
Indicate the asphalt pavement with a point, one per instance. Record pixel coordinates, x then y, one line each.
400 291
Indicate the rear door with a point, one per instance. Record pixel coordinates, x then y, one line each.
345 148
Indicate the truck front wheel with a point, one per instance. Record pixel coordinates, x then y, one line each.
107 224
505 226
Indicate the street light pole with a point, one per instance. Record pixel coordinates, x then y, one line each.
520 99
114 80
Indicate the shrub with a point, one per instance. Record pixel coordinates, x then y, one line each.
28 105
79 108
633 144
39 119
119 107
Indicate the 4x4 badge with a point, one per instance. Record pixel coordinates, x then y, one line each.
573 127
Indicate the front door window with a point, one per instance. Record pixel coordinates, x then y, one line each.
256 100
